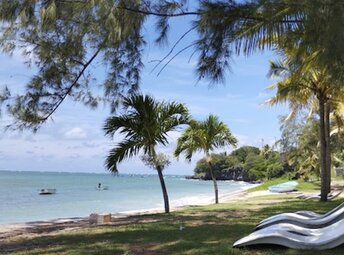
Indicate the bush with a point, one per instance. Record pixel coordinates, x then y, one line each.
248 161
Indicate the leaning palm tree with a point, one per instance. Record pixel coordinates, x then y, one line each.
205 136
145 125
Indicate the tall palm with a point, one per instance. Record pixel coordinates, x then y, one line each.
304 85
145 125
205 136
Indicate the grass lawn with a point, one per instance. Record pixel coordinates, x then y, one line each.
208 230
302 185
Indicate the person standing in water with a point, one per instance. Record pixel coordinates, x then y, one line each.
99 185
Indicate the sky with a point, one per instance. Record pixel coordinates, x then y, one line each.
74 141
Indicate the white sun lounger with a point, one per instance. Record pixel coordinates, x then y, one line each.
297 237
308 214
303 220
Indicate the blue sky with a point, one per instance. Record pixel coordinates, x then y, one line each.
74 140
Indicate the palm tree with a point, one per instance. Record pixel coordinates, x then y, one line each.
205 136
306 85
145 125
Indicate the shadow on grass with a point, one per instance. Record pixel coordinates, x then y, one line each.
206 230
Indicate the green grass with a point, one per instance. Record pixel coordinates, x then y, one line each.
208 230
302 186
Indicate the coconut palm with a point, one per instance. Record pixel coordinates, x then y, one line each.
205 136
307 86
144 125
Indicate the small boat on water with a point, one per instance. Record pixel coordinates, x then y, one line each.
103 188
47 191
283 187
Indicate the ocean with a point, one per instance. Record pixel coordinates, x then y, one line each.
77 194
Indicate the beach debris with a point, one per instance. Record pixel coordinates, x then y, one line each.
96 218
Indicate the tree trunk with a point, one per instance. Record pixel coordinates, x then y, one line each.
322 139
164 190
214 182
328 144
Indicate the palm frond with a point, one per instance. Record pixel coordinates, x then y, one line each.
188 143
123 150
144 124
204 136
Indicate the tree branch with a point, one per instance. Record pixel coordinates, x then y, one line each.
173 47
63 97
160 14
185 48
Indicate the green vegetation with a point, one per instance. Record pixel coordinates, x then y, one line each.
205 136
299 146
145 125
248 162
64 38
295 155
207 230
302 185
308 86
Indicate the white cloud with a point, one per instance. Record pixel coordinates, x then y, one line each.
75 133
71 143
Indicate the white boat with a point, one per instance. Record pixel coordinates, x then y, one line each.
47 191
103 188
283 187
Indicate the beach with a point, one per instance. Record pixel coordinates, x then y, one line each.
144 231
77 194
54 226
23 211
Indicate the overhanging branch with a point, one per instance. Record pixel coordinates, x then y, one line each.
63 97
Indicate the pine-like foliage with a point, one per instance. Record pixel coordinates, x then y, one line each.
62 38
234 27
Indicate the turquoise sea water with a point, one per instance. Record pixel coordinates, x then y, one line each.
77 194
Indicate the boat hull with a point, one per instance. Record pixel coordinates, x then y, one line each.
47 191
283 187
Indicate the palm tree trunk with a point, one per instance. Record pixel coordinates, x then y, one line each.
164 190
322 139
328 147
214 182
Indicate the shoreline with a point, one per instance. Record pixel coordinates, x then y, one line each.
224 198
21 203
61 224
